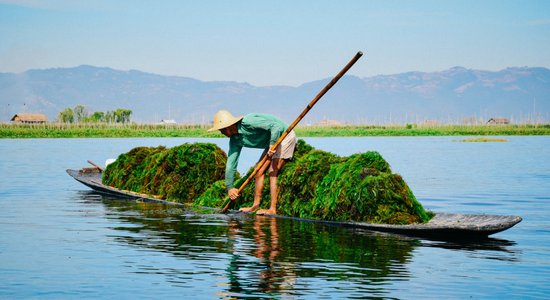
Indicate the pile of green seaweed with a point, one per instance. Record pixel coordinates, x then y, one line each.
314 185
179 174
320 185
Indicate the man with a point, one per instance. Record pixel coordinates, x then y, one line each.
255 131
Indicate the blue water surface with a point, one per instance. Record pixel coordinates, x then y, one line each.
60 240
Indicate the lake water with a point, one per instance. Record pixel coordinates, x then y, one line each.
60 240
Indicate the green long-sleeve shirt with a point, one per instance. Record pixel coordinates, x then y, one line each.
254 131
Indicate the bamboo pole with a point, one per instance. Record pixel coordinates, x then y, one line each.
265 159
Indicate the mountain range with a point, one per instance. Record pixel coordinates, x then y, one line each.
456 95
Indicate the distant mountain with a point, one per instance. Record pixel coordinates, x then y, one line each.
454 95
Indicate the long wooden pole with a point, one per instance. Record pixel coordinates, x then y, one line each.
265 159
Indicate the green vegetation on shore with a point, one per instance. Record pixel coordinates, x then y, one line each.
102 130
97 130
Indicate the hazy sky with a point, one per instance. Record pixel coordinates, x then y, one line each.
273 42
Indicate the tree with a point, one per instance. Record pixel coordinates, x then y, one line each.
97 117
122 115
109 117
80 113
66 116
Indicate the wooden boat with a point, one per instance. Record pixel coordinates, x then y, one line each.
443 226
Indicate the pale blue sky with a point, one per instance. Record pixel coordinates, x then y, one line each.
273 42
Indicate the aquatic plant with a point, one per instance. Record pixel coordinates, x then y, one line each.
482 140
360 187
180 173
315 185
321 185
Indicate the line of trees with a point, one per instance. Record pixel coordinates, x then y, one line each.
79 114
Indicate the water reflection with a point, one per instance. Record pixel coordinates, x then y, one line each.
489 248
265 271
262 256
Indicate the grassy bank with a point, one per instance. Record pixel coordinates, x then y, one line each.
60 130
87 130
439 130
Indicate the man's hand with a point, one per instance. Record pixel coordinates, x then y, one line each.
270 152
233 194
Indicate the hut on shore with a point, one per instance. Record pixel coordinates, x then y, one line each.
327 122
29 118
168 122
498 121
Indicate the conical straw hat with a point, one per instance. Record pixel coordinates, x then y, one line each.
223 119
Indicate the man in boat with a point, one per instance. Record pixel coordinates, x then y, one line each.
255 131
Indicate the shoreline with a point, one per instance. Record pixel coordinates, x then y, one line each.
102 130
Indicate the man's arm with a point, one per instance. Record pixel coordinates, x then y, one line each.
231 165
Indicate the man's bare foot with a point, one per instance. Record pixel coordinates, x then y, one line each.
249 209
266 212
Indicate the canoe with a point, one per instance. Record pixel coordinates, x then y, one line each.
443 226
